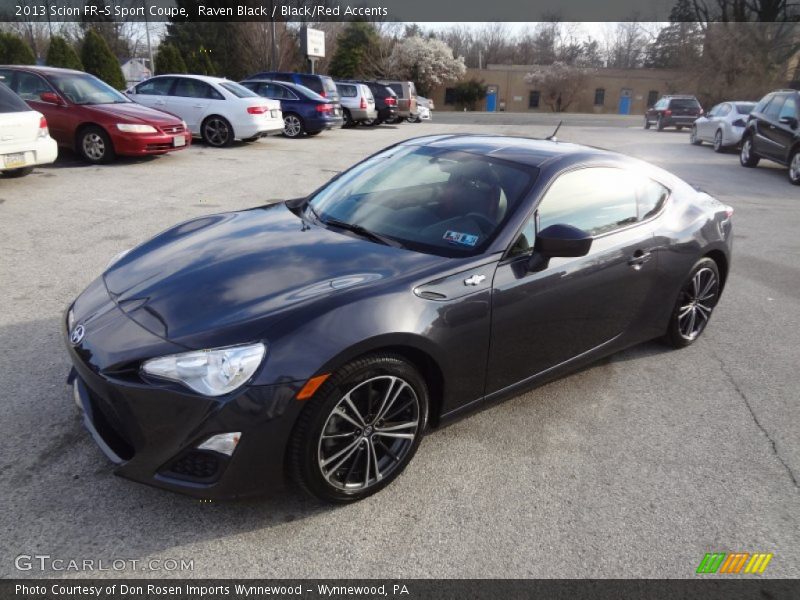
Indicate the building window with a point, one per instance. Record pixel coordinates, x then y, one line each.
599 97
533 99
652 98
450 95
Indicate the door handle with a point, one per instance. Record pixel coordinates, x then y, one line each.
197 106
639 258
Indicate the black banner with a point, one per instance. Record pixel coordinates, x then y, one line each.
412 589
386 10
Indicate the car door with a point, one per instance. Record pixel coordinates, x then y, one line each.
154 92
766 138
545 318
60 117
707 126
785 129
190 100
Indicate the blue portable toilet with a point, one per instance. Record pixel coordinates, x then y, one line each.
491 98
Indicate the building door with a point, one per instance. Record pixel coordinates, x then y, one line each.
625 101
491 98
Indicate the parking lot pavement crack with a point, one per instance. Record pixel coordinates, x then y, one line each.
724 368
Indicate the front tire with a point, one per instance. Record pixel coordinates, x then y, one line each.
217 132
95 146
360 430
747 156
794 167
718 146
696 301
660 124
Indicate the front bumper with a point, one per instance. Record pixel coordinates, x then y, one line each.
151 430
144 144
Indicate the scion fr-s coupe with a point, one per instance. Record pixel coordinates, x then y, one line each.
318 338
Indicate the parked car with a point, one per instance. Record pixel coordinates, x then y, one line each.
304 111
436 276
424 110
90 117
772 133
406 98
358 103
673 111
24 138
723 125
385 103
215 109
321 84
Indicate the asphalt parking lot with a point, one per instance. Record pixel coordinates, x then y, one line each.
634 467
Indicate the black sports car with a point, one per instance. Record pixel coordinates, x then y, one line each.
319 337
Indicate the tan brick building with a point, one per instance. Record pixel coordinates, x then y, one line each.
615 91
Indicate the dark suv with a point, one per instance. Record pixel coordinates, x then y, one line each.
386 102
673 111
772 133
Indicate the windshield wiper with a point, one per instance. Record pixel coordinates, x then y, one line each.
360 230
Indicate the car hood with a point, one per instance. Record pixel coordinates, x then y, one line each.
222 279
133 112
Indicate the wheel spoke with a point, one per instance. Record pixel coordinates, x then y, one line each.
333 436
351 446
397 427
368 463
341 462
684 310
690 328
703 311
708 287
357 414
391 396
371 449
340 413
405 436
397 411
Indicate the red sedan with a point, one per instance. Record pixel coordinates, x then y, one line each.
92 118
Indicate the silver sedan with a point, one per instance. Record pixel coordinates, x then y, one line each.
722 126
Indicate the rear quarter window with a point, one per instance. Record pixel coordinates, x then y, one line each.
10 102
312 82
347 91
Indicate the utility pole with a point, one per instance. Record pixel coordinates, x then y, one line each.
149 44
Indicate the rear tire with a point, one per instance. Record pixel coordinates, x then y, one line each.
372 408
348 119
747 156
718 146
646 123
660 124
217 132
15 173
293 126
696 301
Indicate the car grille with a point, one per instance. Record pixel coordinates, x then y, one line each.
173 129
197 465
157 147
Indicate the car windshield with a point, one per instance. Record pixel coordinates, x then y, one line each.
10 102
428 199
745 108
238 90
87 89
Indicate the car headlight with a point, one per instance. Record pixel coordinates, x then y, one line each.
209 372
134 128
116 258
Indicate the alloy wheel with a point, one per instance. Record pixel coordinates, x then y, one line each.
698 299
217 132
292 127
794 168
94 146
368 433
718 141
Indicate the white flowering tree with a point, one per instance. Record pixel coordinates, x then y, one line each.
425 61
559 84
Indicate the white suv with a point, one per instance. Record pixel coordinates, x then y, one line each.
216 109
24 138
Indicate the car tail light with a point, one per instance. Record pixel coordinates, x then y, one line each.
257 110
43 131
363 102
668 113
324 108
391 101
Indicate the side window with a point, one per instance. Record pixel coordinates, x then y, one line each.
773 109
650 197
347 91
533 99
714 111
311 82
661 104
724 109
762 104
10 102
595 199
270 90
599 97
29 86
194 88
158 86
789 108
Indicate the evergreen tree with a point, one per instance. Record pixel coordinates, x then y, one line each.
353 48
14 50
98 60
61 54
169 60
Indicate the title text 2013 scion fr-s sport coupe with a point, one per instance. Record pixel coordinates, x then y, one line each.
319 337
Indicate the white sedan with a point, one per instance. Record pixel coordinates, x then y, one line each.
215 109
24 138
722 126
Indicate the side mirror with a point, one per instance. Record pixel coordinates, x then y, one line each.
558 240
790 121
51 98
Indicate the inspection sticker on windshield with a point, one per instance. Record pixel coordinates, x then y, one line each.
464 239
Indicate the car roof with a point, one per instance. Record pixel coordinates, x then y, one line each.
289 84
526 151
43 70
206 78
